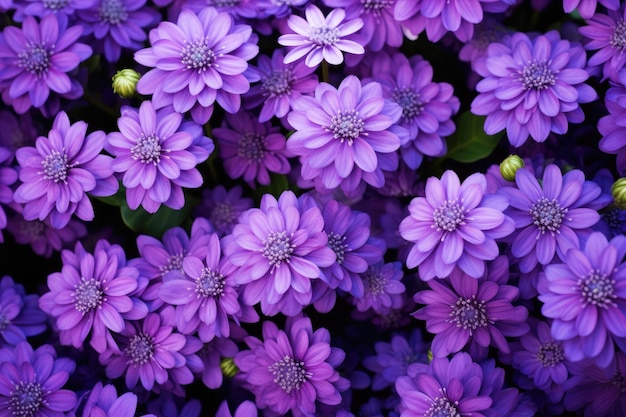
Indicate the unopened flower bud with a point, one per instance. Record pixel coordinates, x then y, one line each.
125 82
619 193
228 367
509 167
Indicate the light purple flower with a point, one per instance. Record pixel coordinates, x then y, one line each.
20 315
454 225
587 8
613 133
532 86
383 288
223 207
103 401
321 38
72 166
245 409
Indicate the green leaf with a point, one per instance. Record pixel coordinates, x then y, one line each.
470 143
278 184
140 221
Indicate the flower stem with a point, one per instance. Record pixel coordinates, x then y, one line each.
325 76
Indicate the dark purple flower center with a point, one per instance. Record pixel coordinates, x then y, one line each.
174 263
140 348
376 282
278 249
147 150
210 283
323 35
547 214
449 216
197 55
32 230
550 354
88 295
612 218
251 146
54 5
347 125
338 244
618 38
484 35
597 289
278 83
35 59
113 12
55 166
442 407
375 6
4 321
289 374
224 3
222 216
619 381
26 399
410 102
537 75
469 314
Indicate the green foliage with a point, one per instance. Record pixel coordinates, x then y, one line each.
470 143
140 221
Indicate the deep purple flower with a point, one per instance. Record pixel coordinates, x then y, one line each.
455 224
251 149
532 87
212 355
199 60
167 405
64 10
72 166
31 381
8 176
549 217
36 60
587 8
20 315
103 401
245 409
223 207
18 131
612 126
44 239
383 288
346 135
586 298
152 152
291 370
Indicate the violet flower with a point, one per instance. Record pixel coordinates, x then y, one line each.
245 409
587 8
223 207
103 401
20 315
613 133
383 288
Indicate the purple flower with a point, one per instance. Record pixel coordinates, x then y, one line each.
223 207
212 354
548 216
291 370
153 153
587 8
586 298
346 135
532 87
245 409
167 406
20 315
36 60
251 149
31 381
197 61
321 38
18 131
64 10
613 133
72 166
103 401
383 288
454 225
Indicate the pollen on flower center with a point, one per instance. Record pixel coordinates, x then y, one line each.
375 6
197 55
54 5
375 282
222 215
618 38
597 289
338 244
251 146
210 283
612 218
550 354
537 75
619 381
88 295
469 314
410 102
442 407
278 83
26 399
347 125
449 216
224 3
140 349
323 35
113 12
289 374
547 214
147 150
278 249
55 166
174 263
35 59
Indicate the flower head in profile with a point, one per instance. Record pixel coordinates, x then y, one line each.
44 240
20 315
245 409
613 133
103 401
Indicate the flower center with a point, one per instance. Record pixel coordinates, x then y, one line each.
4 321
140 349
278 83
618 38
26 399
55 166
210 284
410 102
619 381
222 215
550 354
35 59
147 150
224 3
597 289
113 12
32 230
289 374
469 314
323 35
442 407
338 245
547 214
278 248
251 146
88 295
612 218
54 5
197 55
347 125
174 263
375 6
537 75
448 216
375 282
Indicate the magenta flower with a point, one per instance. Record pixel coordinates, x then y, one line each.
197 61
72 166
153 154
455 224
532 87
321 38
291 370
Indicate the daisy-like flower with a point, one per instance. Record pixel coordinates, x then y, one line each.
223 207
197 61
64 10
587 8
613 133
103 401
36 60
20 315
72 166
291 370
548 216
586 298
532 87
455 224
383 288
321 38
152 153
346 135
245 409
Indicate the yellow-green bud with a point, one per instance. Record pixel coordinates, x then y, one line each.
509 167
228 367
125 82
429 354
619 193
